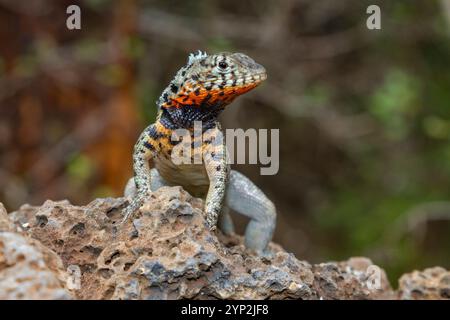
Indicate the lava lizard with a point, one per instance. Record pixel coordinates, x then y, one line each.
199 92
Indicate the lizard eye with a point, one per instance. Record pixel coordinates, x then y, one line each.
223 65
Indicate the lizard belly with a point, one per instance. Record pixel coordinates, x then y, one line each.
192 177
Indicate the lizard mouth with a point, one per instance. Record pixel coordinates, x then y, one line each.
260 77
246 81
216 91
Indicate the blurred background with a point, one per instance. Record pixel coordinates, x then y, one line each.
364 116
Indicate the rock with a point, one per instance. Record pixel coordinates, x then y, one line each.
432 283
28 270
357 278
5 223
167 252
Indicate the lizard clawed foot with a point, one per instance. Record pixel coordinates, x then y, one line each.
132 207
211 219
128 212
266 254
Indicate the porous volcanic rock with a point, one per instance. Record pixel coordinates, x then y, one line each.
5 223
430 284
28 270
166 252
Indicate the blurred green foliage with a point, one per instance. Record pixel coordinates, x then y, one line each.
79 169
394 103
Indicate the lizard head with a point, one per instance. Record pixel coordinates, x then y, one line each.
212 80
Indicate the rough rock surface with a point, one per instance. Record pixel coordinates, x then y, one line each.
167 252
5 223
28 270
432 283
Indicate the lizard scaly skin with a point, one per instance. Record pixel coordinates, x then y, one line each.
199 92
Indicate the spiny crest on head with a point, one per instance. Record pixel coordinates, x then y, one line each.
195 56
176 84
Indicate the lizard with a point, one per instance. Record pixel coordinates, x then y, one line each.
200 91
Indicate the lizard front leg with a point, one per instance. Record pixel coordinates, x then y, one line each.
142 155
156 182
217 169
